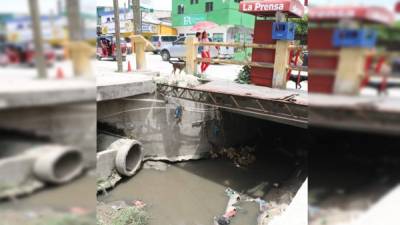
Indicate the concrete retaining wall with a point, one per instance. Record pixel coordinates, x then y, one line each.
70 124
151 120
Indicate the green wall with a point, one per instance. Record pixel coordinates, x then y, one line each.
224 13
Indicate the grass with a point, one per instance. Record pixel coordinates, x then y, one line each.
128 215
67 220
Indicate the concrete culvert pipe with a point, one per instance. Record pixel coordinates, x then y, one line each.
129 156
58 164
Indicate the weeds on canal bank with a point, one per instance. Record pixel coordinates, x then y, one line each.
67 220
121 214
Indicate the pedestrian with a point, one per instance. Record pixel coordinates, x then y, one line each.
205 54
198 36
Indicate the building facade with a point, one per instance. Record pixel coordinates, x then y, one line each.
150 24
233 25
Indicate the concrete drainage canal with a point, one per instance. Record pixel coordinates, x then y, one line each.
214 167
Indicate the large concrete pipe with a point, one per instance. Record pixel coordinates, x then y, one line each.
123 154
58 164
129 156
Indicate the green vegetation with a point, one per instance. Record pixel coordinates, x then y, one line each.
389 33
301 29
244 75
130 216
121 214
67 220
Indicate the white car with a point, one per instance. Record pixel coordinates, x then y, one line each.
178 50
160 41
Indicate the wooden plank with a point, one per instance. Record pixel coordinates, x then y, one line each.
257 92
324 53
237 62
191 54
237 45
280 65
350 71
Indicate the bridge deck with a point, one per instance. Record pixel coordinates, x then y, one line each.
282 106
372 114
296 108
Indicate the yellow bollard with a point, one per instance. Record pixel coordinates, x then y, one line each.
80 53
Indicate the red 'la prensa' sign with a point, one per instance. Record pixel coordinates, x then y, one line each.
264 7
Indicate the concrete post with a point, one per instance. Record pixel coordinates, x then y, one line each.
37 39
137 17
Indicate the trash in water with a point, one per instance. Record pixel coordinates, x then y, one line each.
232 208
221 221
258 191
78 210
139 204
241 157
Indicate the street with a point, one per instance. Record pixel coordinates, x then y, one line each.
155 63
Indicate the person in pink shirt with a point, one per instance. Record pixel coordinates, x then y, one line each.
205 54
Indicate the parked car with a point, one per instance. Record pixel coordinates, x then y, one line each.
24 53
178 50
161 41
106 48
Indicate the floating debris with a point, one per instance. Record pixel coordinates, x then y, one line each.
243 156
232 207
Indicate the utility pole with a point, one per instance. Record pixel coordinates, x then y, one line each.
137 17
74 20
37 39
117 35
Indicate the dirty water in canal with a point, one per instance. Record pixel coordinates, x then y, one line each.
71 203
77 193
193 192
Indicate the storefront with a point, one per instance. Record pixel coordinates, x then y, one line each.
150 25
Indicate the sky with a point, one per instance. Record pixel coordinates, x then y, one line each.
386 3
156 4
21 6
